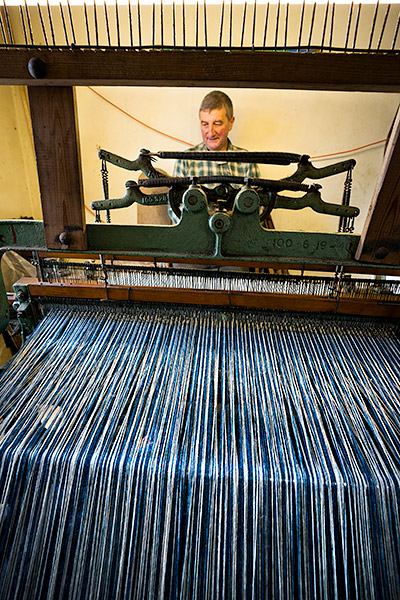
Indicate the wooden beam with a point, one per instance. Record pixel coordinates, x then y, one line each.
217 68
380 240
258 300
59 169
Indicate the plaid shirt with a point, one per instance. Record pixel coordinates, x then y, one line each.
200 168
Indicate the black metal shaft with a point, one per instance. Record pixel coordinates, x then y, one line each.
272 158
273 184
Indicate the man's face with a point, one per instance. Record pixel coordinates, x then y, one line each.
215 128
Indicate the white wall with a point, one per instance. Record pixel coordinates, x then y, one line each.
313 123
305 122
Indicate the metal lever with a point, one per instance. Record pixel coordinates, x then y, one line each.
306 169
142 163
313 200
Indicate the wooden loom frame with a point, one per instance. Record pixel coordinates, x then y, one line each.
52 101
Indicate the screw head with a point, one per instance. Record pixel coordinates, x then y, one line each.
219 223
381 253
64 238
37 68
248 202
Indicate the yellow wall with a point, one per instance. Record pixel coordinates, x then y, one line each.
19 190
307 122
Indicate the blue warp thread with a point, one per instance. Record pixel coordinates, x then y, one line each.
171 453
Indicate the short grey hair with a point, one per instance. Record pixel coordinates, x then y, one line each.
217 99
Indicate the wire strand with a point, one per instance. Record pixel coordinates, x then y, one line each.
190 144
138 120
351 150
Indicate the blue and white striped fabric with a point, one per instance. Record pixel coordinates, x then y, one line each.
171 453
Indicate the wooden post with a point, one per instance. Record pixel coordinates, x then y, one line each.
380 240
56 141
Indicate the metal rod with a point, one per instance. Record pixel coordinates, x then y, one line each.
373 25
107 24
139 24
286 24
383 26
23 25
42 23
324 26
266 24
243 23
64 25
86 23
117 23
96 25
28 20
8 22
162 22
348 25
396 33
51 23
357 24
332 22
71 22
311 25
278 8
230 23
183 23
275 158
221 25
301 23
254 24
205 23
130 22
174 23
3 33
38 264
196 22
153 15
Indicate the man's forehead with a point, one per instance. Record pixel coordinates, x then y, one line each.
216 114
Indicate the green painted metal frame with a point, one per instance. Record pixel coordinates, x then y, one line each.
193 238
199 236
4 311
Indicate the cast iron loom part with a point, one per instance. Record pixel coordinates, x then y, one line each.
271 158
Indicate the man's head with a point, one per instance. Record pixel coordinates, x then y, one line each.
216 120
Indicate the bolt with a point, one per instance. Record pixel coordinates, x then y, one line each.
64 238
192 200
248 202
381 253
37 68
218 224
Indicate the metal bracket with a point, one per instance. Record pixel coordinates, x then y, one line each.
24 309
222 193
4 311
312 198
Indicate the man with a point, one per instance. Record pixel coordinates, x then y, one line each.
216 121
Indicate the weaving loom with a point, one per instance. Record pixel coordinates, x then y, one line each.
210 409
191 449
